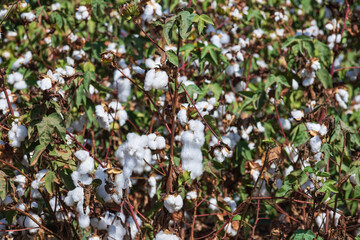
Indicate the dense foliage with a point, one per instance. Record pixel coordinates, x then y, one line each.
179 119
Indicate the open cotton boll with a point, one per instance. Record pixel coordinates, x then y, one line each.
73 196
39 181
191 195
44 84
182 117
3 225
156 142
231 203
315 144
17 134
229 230
297 114
29 223
155 79
166 236
313 127
285 123
152 186
116 231
84 219
85 179
87 166
213 204
133 228
173 203
342 97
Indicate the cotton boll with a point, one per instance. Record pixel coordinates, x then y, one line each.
173 203
315 144
152 186
231 203
39 181
229 230
87 166
73 196
45 84
20 85
342 97
84 219
285 123
308 81
166 236
297 115
133 227
191 195
295 84
213 204
29 223
182 117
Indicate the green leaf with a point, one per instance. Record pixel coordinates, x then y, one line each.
213 125
236 218
213 87
185 23
288 42
39 149
206 19
168 29
173 58
47 126
299 135
49 180
323 52
325 78
303 235
88 66
3 185
89 77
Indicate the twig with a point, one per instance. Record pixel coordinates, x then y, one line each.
37 222
82 146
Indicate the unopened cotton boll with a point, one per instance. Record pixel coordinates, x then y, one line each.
166 236
173 203
155 79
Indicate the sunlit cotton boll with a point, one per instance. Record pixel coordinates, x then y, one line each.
17 134
28 16
87 163
315 144
45 84
166 236
173 203
155 79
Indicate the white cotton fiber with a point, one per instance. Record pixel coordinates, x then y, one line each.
315 144
29 223
166 236
155 79
173 203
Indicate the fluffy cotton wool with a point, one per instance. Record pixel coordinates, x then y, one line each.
173 203
191 155
166 236
155 79
87 163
